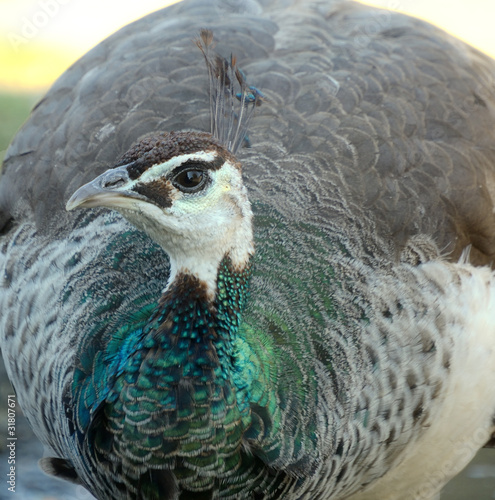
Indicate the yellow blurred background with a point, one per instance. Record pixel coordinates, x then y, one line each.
39 39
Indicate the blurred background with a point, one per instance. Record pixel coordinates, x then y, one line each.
39 39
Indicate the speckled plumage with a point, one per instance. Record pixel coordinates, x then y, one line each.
348 371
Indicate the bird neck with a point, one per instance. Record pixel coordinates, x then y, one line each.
200 328
185 374
205 257
186 335
204 276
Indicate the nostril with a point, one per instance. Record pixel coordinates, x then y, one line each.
114 179
113 183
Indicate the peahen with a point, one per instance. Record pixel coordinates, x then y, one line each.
326 326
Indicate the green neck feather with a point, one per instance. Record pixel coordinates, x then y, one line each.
183 389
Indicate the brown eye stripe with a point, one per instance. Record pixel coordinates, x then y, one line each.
215 164
199 164
158 191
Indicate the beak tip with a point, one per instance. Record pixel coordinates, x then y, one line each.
74 201
82 198
70 205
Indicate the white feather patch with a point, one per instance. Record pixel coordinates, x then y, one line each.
162 169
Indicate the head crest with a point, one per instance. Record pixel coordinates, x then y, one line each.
232 100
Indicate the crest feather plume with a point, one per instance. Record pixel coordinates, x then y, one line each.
232 100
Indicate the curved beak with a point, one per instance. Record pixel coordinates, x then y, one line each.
110 189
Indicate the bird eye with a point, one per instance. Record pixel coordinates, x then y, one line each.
189 180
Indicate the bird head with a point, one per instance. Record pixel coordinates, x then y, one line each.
185 190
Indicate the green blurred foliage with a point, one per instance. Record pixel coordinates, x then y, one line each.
14 110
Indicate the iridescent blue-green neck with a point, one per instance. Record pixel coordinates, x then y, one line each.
174 390
198 331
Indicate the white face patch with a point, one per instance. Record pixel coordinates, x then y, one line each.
162 169
199 229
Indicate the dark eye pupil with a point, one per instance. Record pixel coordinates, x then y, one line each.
189 178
